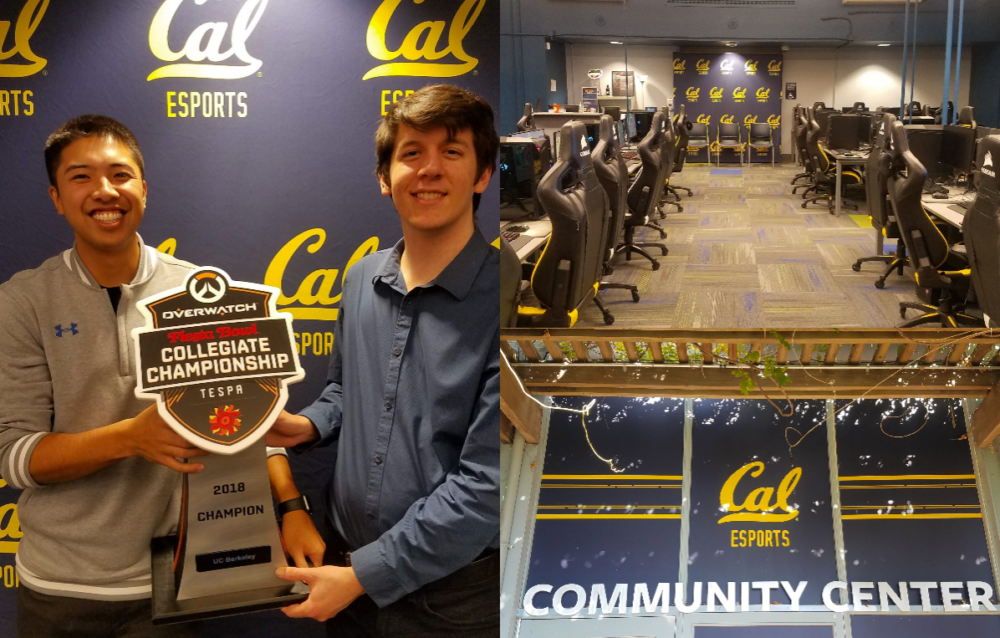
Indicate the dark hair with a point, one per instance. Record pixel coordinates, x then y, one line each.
434 106
89 126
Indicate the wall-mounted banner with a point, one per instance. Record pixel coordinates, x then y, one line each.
759 510
730 88
596 523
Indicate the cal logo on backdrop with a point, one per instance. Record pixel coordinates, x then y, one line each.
750 67
727 119
703 66
17 60
715 94
202 56
774 67
750 119
726 66
692 94
774 120
763 94
704 119
739 94
679 66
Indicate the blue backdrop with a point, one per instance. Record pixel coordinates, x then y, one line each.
256 122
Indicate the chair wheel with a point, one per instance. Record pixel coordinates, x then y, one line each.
635 296
902 313
609 318
880 284
680 209
656 265
856 267
609 270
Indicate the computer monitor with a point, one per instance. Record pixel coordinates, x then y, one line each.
823 118
572 108
843 132
864 127
643 120
614 111
891 109
521 167
958 148
925 144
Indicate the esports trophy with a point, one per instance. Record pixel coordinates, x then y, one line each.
217 357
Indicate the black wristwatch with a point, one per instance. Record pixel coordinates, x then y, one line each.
293 504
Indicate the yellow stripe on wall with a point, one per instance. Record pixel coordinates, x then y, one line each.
915 477
874 516
619 477
604 516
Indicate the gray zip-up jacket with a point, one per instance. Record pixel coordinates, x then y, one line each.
67 365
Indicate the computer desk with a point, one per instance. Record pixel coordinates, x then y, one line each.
539 231
941 207
850 158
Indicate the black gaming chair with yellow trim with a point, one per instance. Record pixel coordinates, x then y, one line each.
682 132
966 118
668 146
882 217
613 176
801 132
825 170
527 121
566 275
942 270
644 193
510 284
981 230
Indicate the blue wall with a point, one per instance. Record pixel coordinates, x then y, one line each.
984 90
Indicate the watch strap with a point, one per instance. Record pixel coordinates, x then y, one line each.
293 504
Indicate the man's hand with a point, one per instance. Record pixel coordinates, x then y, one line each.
149 436
301 539
331 589
290 430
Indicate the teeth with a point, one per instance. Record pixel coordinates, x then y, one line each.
429 195
108 217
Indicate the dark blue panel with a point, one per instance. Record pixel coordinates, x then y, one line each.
919 492
590 541
767 631
730 435
924 626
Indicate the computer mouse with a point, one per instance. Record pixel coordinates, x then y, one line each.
940 196
516 228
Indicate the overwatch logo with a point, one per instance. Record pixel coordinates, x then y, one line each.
726 66
739 94
750 67
704 119
750 119
702 67
692 94
27 21
774 120
679 66
758 504
774 67
715 93
727 119
422 42
763 94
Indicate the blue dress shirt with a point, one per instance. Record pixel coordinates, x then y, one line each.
413 402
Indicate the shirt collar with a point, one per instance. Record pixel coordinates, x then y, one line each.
147 263
457 277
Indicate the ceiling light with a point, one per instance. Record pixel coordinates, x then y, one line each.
885 44
615 42
730 44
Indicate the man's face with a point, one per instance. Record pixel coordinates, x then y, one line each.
100 192
432 177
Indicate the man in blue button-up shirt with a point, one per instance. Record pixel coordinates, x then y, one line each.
413 395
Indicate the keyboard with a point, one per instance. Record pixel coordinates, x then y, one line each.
628 154
932 187
510 235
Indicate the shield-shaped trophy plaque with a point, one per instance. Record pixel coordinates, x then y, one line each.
217 357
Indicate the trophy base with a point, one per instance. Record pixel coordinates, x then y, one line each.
167 609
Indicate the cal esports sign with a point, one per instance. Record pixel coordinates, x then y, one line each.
741 90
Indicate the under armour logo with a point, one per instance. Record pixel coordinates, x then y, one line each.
72 330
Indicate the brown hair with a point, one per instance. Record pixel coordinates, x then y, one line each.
89 126
435 106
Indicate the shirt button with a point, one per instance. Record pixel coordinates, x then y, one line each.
388 405
409 300
378 460
397 352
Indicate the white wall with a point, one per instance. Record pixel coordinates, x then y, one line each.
654 61
866 74
855 74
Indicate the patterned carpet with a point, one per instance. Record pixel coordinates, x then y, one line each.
745 254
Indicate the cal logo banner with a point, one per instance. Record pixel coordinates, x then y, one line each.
256 120
590 527
740 89
759 510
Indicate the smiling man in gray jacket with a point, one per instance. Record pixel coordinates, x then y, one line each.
96 464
